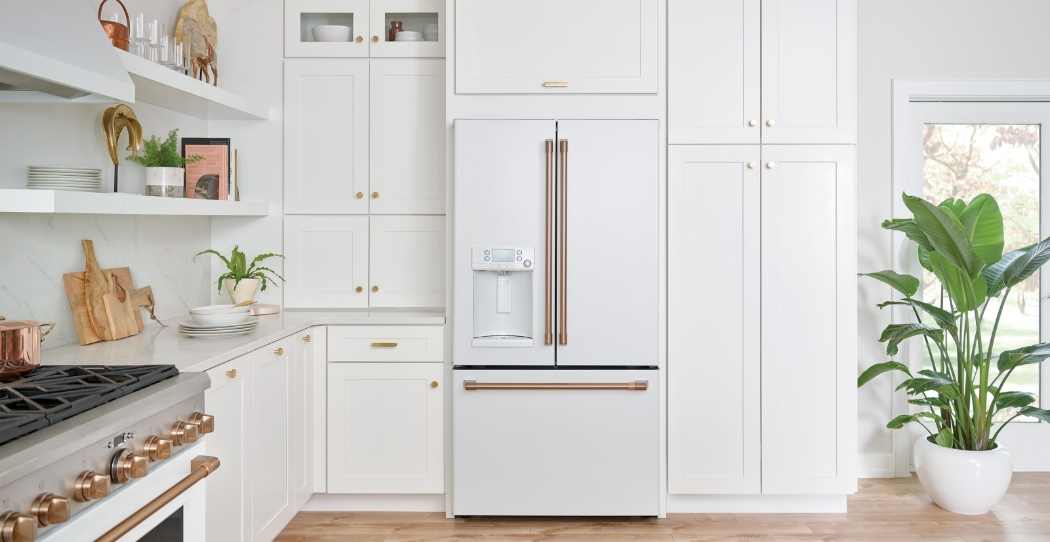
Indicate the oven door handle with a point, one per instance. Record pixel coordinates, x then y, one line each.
200 467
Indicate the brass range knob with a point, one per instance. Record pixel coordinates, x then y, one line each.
205 422
17 527
89 486
50 509
183 433
126 465
157 448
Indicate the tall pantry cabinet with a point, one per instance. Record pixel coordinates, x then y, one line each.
761 247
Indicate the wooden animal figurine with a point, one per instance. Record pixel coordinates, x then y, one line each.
197 32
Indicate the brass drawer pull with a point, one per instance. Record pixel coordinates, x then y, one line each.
433 384
279 351
637 385
306 339
556 84
232 373
384 345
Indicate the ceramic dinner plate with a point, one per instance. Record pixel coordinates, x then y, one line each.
193 326
215 335
64 168
66 188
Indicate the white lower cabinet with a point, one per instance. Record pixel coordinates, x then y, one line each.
385 428
228 491
273 383
304 346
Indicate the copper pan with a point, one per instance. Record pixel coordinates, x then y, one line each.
20 345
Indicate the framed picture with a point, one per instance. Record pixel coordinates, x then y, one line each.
208 178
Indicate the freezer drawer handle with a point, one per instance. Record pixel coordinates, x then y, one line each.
637 385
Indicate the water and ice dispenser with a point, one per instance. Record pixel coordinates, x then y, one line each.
503 296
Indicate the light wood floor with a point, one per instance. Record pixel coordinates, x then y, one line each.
883 509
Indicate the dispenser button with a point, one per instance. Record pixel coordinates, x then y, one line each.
486 253
519 253
519 257
528 263
494 266
486 258
510 266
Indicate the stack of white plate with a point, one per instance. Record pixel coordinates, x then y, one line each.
193 329
218 321
79 179
430 32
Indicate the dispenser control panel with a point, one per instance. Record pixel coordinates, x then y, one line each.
502 259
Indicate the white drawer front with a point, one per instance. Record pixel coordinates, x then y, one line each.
385 343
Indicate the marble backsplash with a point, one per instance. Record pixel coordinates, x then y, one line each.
36 250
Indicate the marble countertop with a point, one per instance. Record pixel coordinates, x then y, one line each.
156 345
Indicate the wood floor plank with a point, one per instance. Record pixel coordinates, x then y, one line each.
882 510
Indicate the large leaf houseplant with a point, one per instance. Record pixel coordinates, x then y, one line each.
963 393
241 278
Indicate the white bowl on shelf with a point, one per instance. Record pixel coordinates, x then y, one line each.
220 319
331 32
408 35
219 309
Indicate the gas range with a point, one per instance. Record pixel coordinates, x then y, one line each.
74 438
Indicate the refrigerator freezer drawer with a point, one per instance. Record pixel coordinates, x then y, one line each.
556 442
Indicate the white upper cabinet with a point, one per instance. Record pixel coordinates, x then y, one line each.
809 291
714 69
714 320
407 261
808 78
556 46
407 165
301 16
327 261
325 136
413 15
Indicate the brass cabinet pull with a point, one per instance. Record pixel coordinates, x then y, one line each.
384 345
556 84
359 289
359 39
232 373
359 195
434 384
637 385
548 240
200 467
279 351
375 39
306 339
375 288
563 264
375 195
770 122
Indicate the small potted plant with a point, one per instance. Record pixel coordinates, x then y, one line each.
165 173
241 279
963 398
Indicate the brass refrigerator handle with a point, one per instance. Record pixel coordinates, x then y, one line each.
548 258
200 467
637 385
563 241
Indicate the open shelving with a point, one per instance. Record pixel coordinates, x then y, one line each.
100 203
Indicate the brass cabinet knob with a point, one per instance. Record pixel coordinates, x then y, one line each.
770 122
279 351
434 384
751 165
752 122
375 39
375 195
359 289
375 288
126 465
232 373
50 509
17 527
770 165
359 39
89 486
205 422
306 338
359 195
157 448
183 433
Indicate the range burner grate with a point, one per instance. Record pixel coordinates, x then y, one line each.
54 393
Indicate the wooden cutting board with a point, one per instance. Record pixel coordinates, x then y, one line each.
105 302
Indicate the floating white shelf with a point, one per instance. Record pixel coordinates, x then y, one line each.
101 203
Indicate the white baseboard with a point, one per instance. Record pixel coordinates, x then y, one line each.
324 502
761 504
875 466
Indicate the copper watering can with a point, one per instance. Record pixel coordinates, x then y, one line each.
118 33
20 345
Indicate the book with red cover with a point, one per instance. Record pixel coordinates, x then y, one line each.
208 178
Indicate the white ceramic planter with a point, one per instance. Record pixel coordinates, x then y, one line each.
962 481
166 182
245 290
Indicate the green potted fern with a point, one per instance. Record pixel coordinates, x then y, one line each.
962 398
165 167
241 279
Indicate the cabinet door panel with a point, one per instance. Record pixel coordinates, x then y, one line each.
325 136
305 344
515 47
407 261
385 427
407 166
273 503
414 15
713 71
228 492
808 320
808 71
713 332
327 260
300 16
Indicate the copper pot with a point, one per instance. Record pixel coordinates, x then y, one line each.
118 33
20 345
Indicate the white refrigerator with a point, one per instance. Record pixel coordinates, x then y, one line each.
555 317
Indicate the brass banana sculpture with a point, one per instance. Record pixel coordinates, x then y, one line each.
114 120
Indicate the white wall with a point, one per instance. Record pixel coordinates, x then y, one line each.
906 39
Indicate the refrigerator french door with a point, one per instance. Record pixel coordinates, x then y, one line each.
555 393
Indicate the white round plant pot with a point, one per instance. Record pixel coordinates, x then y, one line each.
245 290
166 182
963 481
